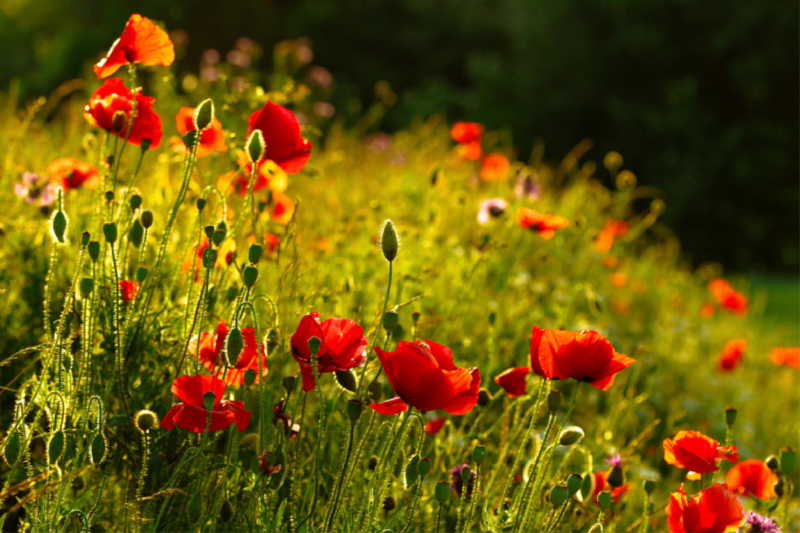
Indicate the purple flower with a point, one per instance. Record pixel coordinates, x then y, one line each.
36 190
493 207
760 523
615 460
527 186
457 484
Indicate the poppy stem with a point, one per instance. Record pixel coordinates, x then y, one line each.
388 467
319 437
473 500
439 516
262 409
532 476
646 513
340 479
128 126
118 339
560 515
375 335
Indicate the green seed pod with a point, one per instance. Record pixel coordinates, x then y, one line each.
204 114
59 226
730 416
649 486
109 196
201 204
256 146
484 397
558 495
424 467
390 243
118 122
226 512
209 231
390 320
234 344
289 383
147 218
788 460
571 435
415 317
314 345
250 276
574 483
218 236
604 500
250 377
492 318
12 448
195 509
466 474
135 202
479 454
346 380
411 471
354 409
254 253
55 447
231 293
222 226
86 287
99 449
145 420
110 232
554 400
190 139
375 392
442 491
209 258
209 398
94 250
85 238
136 234
616 478
141 274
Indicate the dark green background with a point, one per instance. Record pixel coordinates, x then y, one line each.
700 97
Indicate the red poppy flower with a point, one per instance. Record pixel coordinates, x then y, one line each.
713 510
212 139
600 484
727 297
544 225
272 240
752 478
113 96
731 355
191 415
343 346
785 356
264 464
467 132
697 453
707 310
71 173
514 381
141 42
282 136
494 167
585 356
471 151
129 290
612 230
434 426
423 375
211 347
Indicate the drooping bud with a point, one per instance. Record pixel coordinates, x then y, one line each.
118 122
254 253
250 275
390 320
571 435
346 380
85 238
411 471
145 421
479 454
354 409
314 345
209 258
234 344
256 146
94 250
110 232
146 218
442 491
209 398
772 463
136 234
484 397
141 274
558 495
86 287
604 500
99 449
554 400
649 486
135 202
788 460
249 377
204 114
200 204
390 243
226 512
730 416
55 447
415 317
574 484
12 448
424 467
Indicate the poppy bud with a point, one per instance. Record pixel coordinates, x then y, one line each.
289 382
250 275
55 447
574 484
399 333
788 460
110 232
118 122
484 397
86 286
94 250
209 257
479 454
649 486
588 485
249 377
390 320
141 274
59 225
778 487
554 399
190 139
208 400
85 237
492 318
354 408
147 218
571 435
135 202
558 495
218 236
136 234
346 380
204 114
226 512
234 344
616 478
372 464
375 391
248 440
254 253
465 474
730 416
109 196
314 345
424 467
12 448
201 204
772 463
604 500
412 471
389 504
389 241
256 146
442 491
145 420
99 449
209 231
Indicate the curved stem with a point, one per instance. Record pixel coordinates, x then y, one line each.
319 441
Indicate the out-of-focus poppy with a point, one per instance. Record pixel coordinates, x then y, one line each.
618 279
491 208
752 478
141 42
212 346
129 290
212 139
713 510
611 230
225 256
265 466
467 132
472 151
268 176
280 416
423 375
585 356
707 310
113 96
697 453
191 415
70 173
281 131
785 356
514 381
727 297
343 346
434 426
494 167
731 355
544 225
281 208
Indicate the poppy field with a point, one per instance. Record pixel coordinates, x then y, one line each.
225 309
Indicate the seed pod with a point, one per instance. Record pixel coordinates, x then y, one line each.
59 226
118 122
12 448
86 287
554 400
399 333
109 196
234 344
99 449
788 460
442 491
110 232
209 258
85 237
209 398
730 416
558 495
346 380
218 236
249 377
389 504
201 204
248 441
354 409
209 231
411 472
479 454
147 218
571 435
616 478
254 253
574 483
390 320
314 345
135 202
772 463
141 274
55 447
424 467
250 276
649 486
145 421
204 114
604 500
289 383
136 234
466 474
94 250
390 243
484 397
372 463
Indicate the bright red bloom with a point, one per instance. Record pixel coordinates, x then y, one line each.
113 96
471 151
285 145
71 173
212 139
731 355
191 415
435 425
585 356
697 453
612 230
514 381
211 347
600 485
467 132
713 510
727 297
494 167
423 375
544 225
282 208
752 478
129 290
141 42
707 310
785 356
343 346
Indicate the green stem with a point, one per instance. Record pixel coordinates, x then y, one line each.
388 467
375 335
474 498
337 493
561 514
439 516
118 339
319 441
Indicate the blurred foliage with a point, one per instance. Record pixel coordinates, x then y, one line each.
701 97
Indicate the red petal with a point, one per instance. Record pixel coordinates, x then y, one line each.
464 401
390 407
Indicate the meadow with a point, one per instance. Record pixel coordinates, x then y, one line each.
290 322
